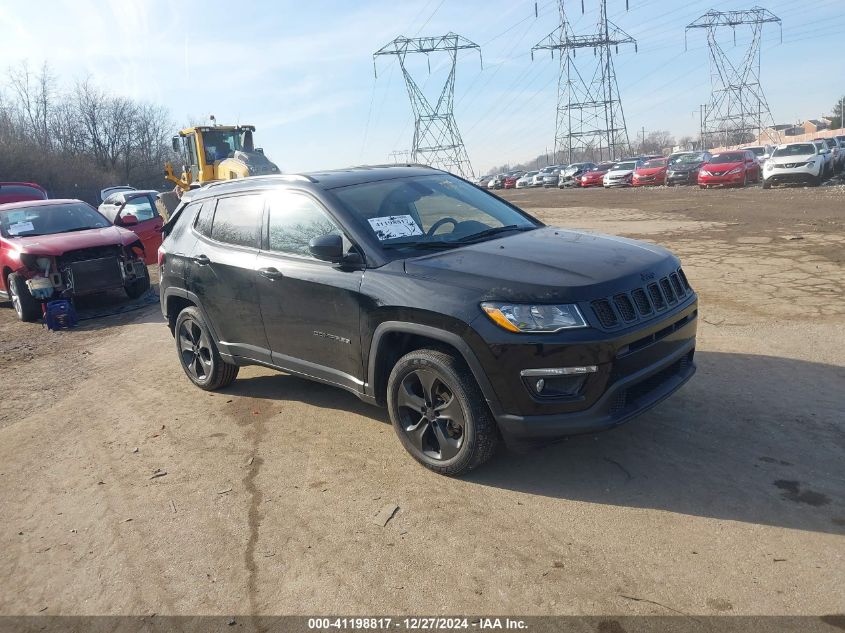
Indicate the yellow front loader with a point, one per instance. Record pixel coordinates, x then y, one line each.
217 152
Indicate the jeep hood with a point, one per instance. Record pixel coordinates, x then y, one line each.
546 265
60 243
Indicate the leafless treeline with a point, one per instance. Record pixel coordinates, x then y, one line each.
76 141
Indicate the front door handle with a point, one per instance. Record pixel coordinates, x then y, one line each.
270 273
202 260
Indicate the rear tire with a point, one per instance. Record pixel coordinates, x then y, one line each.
766 184
439 412
138 287
198 353
27 307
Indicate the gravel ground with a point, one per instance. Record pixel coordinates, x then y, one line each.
728 498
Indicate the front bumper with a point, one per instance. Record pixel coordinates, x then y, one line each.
644 181
637 368
725 179
779 176
682 178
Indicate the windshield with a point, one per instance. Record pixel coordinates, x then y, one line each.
681 159
625 166
220 144
429 210
799 149
655 163
50 219
727 157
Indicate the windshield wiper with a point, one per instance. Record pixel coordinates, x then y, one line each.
83 228
494 231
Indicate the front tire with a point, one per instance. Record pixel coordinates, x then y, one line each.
138 287
766 184
27 307
439 412
198 353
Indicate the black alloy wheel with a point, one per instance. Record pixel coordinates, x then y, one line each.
198 353
195 350
431 416
439 413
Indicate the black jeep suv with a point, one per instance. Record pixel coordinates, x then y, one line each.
412 288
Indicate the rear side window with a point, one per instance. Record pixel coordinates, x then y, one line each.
178 224
237 220
295 220
203 223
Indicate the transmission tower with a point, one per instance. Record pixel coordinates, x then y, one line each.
738 111
590 122
437 141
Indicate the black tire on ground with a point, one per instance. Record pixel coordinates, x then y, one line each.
816 182
702 186
766 184
198 353
27 307
457 433
138 287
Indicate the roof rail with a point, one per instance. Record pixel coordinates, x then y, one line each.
271 177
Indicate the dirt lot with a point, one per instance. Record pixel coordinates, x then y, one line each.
727 498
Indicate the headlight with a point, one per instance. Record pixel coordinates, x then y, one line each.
735 170
516 317
770 166
704 172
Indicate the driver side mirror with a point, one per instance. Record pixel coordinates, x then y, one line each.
128 220
328 248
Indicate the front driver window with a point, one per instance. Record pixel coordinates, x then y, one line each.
295 220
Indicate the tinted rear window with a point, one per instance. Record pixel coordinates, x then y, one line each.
21 192
237 220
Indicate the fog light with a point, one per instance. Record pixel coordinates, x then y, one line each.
540 385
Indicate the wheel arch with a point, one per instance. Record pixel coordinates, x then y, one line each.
393 339
175 300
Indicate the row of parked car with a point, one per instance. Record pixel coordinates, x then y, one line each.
809 162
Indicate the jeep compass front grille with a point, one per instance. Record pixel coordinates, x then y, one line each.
644 303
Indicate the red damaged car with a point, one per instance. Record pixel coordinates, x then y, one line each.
52 249
595 177
735 168
651 172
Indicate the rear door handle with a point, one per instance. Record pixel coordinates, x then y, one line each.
270 273
202 260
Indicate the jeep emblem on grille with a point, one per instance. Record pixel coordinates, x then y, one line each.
646 276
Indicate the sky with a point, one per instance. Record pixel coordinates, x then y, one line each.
303 72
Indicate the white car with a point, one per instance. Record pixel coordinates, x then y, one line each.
762 152
796 162
620 175
537 180
526 180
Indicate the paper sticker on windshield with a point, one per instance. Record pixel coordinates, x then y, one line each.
21 227
394 226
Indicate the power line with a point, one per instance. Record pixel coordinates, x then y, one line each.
738 111
590 120
437 140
